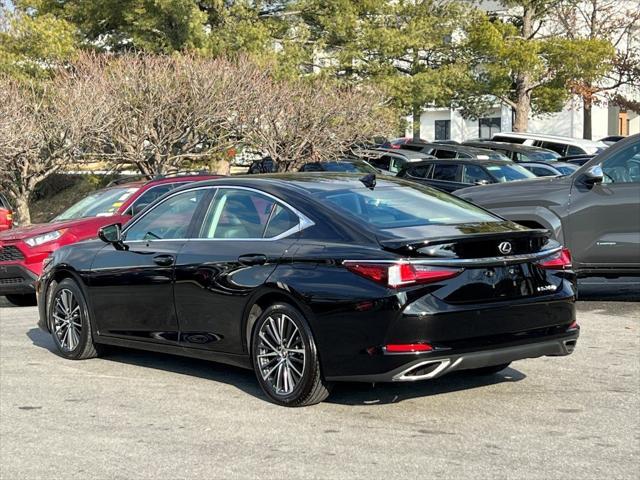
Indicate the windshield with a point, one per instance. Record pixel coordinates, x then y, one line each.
509 173
99 204
549 156
406 206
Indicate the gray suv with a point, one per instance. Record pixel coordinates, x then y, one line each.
595 211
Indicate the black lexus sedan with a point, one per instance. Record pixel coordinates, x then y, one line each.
314 278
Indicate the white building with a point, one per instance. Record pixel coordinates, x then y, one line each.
447 124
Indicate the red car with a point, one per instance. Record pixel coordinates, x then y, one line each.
6 214
23 249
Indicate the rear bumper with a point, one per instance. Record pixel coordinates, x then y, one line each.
436 364
16 279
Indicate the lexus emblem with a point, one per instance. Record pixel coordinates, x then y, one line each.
505 248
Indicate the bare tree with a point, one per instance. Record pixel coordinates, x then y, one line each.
168 112
43 127
301 121
617 21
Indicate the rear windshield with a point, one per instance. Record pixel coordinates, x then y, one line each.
406 206
102 203
509 173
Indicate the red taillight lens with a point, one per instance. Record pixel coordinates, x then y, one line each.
400 274
560 261
408 347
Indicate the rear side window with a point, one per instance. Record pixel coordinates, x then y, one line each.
406 206
500 138
243 214
447 172
382 162
556 147
444 153
573 150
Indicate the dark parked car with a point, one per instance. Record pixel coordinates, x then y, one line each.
595 211
343 166
391 161
452 175
517 152
450 150
562 145
544 169
311 279
611 139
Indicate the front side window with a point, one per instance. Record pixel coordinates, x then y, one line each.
152 194
624 166
509 173
168 220
439 153
243 214
382 163
421 171
556 147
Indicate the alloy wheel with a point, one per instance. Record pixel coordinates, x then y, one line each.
281 354
67 321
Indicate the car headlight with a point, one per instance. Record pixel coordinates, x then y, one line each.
44 238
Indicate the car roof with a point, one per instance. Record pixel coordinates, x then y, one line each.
408 154
552 138
455 147
516 147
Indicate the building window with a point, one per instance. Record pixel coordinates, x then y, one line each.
487 127
443 129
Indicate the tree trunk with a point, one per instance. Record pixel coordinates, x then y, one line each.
23 215
523 80
586 119
523 104
415 114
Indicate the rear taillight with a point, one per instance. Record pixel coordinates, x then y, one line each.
559 261
400 273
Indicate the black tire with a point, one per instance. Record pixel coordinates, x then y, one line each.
22 300
491 370
310 388
79 343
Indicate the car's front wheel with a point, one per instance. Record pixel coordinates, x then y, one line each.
285 358
70 322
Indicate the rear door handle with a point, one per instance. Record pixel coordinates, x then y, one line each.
253 259
163 260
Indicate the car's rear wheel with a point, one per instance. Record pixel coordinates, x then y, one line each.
493 369
285 358
22 300
70 322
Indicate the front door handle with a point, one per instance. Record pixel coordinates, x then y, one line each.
252 259
163 260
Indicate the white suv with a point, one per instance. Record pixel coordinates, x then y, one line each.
565 146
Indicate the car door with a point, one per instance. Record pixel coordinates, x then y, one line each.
244 235
604 219
131 287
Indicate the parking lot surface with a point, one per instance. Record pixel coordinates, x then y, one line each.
143 415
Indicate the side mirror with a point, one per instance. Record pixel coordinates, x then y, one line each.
111 234
593 175
136 209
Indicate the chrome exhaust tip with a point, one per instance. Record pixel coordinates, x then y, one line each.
569 345
423 370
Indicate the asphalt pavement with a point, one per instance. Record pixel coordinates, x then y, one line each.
142 415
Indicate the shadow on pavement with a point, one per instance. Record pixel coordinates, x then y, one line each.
624 289
343 393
